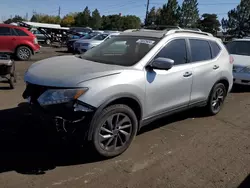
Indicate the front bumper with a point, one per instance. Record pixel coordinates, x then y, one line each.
241 78
66 118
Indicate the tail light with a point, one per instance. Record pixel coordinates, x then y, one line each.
231 59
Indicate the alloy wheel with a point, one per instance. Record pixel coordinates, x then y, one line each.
24 53
217 99
115 132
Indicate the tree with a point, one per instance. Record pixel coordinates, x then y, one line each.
189 14
83 18
131 22
209 23
238 22
15 19
68 20
96 20
170 13
151 17
224 24
34 18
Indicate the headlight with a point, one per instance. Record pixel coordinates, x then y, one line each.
57 96
245 70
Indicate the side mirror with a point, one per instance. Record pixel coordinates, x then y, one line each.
162 63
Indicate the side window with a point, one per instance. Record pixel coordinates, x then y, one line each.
200 50
215 49
175 50
20 32
5 31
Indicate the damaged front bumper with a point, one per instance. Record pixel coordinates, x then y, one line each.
67 118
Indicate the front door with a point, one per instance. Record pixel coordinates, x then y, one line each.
168 90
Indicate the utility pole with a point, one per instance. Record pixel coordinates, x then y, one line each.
59 11
146 19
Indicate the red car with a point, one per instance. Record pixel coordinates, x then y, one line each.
18 41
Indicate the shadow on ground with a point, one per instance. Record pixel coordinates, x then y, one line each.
30 147
245 183
240 89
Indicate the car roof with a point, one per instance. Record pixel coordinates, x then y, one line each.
163 33
9 25
244 39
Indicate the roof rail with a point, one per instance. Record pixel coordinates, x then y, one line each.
188 31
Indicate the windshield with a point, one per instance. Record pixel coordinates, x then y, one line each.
121 50
239 47
100 37
89 36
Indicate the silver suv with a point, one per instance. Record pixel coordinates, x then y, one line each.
108 93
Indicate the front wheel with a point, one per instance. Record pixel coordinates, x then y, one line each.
216 99
23 53
114 130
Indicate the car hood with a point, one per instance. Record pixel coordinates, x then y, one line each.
241 60
67 71
89 41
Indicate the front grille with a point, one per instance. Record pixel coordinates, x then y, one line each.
34 92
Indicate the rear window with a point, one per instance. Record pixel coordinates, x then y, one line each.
21 32
200 50
239 47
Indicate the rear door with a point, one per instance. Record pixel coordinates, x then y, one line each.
8 40
206 68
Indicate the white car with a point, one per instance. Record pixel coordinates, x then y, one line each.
82 46
240 51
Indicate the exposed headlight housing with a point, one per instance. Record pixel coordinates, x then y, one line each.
58 96
245 70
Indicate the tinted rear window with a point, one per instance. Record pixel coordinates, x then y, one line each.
239 47
200 50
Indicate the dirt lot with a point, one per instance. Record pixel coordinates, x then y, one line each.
185 150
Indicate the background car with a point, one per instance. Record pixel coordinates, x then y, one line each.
41 36
240 51
18 41
70 43
82 46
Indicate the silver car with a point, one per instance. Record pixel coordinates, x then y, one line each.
82 46
108 93
240 52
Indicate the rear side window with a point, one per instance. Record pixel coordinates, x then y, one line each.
215 49
5 31
21 32
200 50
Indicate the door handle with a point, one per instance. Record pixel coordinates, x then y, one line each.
215 67
13 38
187 74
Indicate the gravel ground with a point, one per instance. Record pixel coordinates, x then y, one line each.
185 150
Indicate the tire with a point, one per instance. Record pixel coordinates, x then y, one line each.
109 142
217 97
48 41
23 53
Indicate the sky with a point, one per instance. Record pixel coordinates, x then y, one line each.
134 7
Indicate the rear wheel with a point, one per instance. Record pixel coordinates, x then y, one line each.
23 53
114 130
216 99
